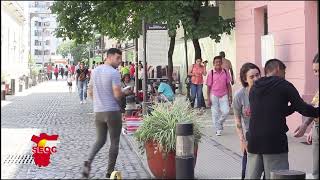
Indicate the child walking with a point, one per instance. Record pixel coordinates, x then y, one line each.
69 82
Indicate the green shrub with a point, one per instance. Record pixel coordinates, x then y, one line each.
160 125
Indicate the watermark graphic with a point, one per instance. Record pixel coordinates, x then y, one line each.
42 152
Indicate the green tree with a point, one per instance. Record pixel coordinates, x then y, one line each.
122 20
80 52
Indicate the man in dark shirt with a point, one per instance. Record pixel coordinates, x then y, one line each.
267 139
81 82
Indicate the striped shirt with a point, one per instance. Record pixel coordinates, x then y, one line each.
103 78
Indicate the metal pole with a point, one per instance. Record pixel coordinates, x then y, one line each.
287 174
136 67
102 47
186 52
184 151
144 81
186 48
43 50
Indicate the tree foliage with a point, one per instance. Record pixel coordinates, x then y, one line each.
79 52
122 20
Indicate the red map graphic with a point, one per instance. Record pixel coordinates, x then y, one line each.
42 159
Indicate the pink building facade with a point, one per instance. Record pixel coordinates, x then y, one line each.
294 27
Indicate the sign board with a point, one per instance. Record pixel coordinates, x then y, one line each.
156 27
157 47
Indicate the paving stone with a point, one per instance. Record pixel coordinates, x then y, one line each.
58 112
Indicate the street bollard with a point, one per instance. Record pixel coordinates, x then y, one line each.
13 86
287 174
20 87
184 151
3 91
26 82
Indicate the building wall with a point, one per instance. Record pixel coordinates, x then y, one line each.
41 13
14 47
293 25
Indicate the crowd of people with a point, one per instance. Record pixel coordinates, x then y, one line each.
260 107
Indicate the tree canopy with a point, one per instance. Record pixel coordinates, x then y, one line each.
122 20
78 51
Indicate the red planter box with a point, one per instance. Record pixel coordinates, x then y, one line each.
158 165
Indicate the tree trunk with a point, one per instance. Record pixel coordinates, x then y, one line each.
197 49
170 62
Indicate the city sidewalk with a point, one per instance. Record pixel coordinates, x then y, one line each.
221 157
50 108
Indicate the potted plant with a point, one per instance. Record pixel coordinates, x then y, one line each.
157 135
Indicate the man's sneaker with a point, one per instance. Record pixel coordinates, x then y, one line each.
219 133
81 102
108 175
86 169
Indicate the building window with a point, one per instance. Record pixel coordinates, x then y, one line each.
47 42
265 21
36 4
36 43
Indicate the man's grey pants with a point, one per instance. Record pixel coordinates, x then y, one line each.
315 151
108 121
257 163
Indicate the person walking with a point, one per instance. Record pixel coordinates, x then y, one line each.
105 90
132 71
313 136
69 82
249 73
81 82
197 71
56 72
66 71
72 69
267 140
219 94
62 71
49 71
226 64
140 76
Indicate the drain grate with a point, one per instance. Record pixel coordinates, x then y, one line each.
18 159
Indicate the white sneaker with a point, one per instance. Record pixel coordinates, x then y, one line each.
81 102
219 133
84 101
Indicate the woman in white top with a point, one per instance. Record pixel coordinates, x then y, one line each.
140 76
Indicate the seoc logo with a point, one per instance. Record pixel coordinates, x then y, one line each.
42 152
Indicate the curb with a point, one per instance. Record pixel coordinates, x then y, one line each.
143 163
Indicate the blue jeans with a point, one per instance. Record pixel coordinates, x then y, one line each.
196 92
82 88
244 165
220 110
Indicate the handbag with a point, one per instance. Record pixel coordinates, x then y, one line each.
188 78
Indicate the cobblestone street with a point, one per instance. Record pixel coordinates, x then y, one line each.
50 108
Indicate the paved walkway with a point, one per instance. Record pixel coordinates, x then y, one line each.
50 108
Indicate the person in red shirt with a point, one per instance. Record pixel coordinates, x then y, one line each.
72 69
49 71
56 72
132 70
